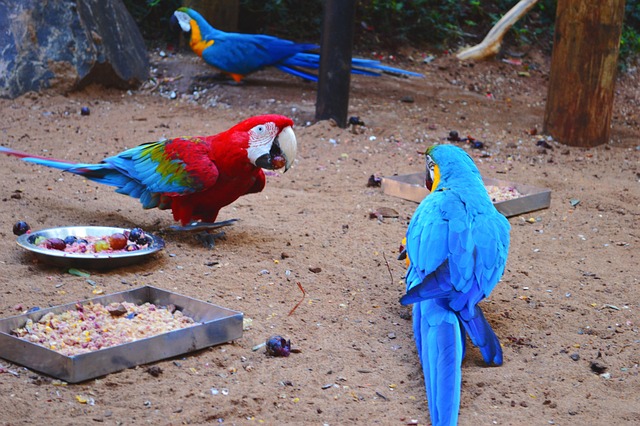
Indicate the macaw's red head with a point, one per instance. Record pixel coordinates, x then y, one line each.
272 144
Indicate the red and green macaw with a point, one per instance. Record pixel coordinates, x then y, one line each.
456 246
194 177
241 54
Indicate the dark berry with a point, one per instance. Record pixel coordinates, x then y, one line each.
453 136
32 238
82 241
354 120
374 181
278 346
70 239
544 144
55 244
135 234
21 227
85 111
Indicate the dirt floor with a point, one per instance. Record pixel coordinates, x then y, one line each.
567 310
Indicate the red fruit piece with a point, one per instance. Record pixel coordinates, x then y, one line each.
55 244
117 241
278 162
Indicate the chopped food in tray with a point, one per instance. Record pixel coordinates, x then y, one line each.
502 193
94 326
117 242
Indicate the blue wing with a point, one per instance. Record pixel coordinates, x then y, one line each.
246 53
458 254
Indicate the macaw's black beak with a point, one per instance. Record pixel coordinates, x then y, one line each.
174 25
282 153
402 255
271 161
428 181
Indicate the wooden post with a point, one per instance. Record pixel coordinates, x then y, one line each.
334 75
583 71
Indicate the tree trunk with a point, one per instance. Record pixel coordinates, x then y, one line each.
221 14
583 70
334 75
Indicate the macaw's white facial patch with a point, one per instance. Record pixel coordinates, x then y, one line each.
431 166
260 139
184 20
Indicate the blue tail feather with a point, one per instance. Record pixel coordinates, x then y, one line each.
369 67
483 336
440 345
104 173
297 73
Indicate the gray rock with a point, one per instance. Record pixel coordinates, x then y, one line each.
65 45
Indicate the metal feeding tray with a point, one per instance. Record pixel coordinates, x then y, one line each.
87 260
215 325
411 187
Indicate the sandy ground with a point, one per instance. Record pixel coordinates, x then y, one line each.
568 303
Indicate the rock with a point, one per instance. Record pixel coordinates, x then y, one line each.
68 45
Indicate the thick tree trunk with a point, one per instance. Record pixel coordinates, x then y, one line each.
222 14
583 70
334 76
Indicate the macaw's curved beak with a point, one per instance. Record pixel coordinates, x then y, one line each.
174 24
283 151
428 181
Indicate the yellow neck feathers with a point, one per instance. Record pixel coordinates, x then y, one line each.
197 43
436 178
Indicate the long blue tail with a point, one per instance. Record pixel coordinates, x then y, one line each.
97 172
105 173
483 336
440 343
361 66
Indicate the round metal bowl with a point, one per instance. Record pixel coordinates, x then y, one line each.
87 260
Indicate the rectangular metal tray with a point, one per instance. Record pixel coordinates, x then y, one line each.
217 325
411 187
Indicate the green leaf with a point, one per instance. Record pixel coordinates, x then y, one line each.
78 273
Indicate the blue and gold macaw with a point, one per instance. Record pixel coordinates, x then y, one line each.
456 246
241 54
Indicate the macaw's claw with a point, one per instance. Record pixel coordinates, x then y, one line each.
209 240
203 226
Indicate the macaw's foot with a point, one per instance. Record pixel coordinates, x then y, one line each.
209 240
203 226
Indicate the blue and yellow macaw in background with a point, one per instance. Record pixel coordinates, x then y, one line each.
241 54
456 245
